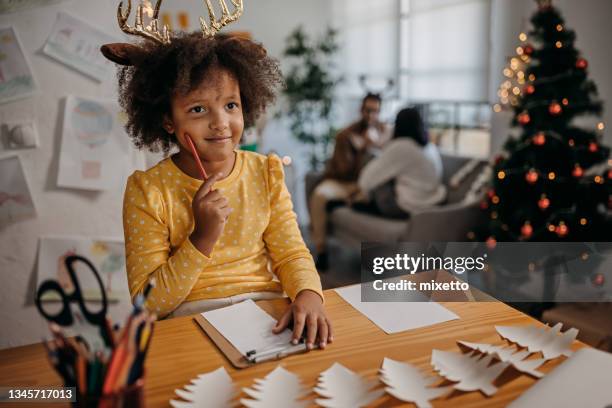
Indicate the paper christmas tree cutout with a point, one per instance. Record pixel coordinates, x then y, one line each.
342 388
471 371
510 355
279 389
407 383
539 339
213 390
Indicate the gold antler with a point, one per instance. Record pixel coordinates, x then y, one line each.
226 17
151 31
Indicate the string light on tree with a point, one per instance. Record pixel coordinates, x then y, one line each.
539 139
598 279
543 202
593 147
562 230
578 171
531 176
526 230
524 118
555 108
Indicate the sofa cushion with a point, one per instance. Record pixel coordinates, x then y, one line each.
366 227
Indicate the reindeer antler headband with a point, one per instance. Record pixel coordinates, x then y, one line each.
119 52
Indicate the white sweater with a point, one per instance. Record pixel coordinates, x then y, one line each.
417 170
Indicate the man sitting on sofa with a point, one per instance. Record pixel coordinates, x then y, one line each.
354 146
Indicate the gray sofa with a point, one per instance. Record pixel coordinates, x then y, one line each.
447 222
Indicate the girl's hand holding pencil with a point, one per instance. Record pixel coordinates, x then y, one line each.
210 213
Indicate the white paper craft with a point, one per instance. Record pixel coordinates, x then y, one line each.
280 389
211 390
107 255
583 380
16 79
96 153
407 383
471 372
247 327
510 355
77 44
15 198
342 388
541 339
394 317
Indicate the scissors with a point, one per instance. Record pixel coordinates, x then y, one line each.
66 316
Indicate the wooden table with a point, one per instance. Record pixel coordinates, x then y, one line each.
180 351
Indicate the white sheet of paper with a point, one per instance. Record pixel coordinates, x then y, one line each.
394 317
409 384
343 388
583 380
247 327
213 390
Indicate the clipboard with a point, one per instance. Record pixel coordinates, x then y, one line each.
227 349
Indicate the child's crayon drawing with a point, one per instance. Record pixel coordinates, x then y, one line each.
107 255
77 44
16 80
96 152
15 199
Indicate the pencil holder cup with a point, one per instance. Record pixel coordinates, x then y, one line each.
127 397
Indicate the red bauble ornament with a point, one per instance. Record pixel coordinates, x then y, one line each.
577 172
543 202
610 174
593 147
490 193
539 139
528 49
555 108
491 242
562 230
531 176
598 279
529 89
524 118
526 230
484 205
581 63
499 159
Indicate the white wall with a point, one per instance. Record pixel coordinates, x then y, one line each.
590 19
74 212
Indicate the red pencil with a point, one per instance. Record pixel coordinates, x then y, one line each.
194 152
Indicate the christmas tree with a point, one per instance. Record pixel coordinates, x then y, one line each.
553 182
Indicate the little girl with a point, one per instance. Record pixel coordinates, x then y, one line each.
210 242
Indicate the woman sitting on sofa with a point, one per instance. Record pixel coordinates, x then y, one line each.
407 174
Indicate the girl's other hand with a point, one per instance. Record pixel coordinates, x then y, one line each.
210 213
307 311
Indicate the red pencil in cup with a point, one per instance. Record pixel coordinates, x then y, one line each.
196 157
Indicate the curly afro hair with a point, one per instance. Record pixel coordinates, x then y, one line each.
157 72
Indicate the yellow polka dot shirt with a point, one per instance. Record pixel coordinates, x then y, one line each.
261 240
